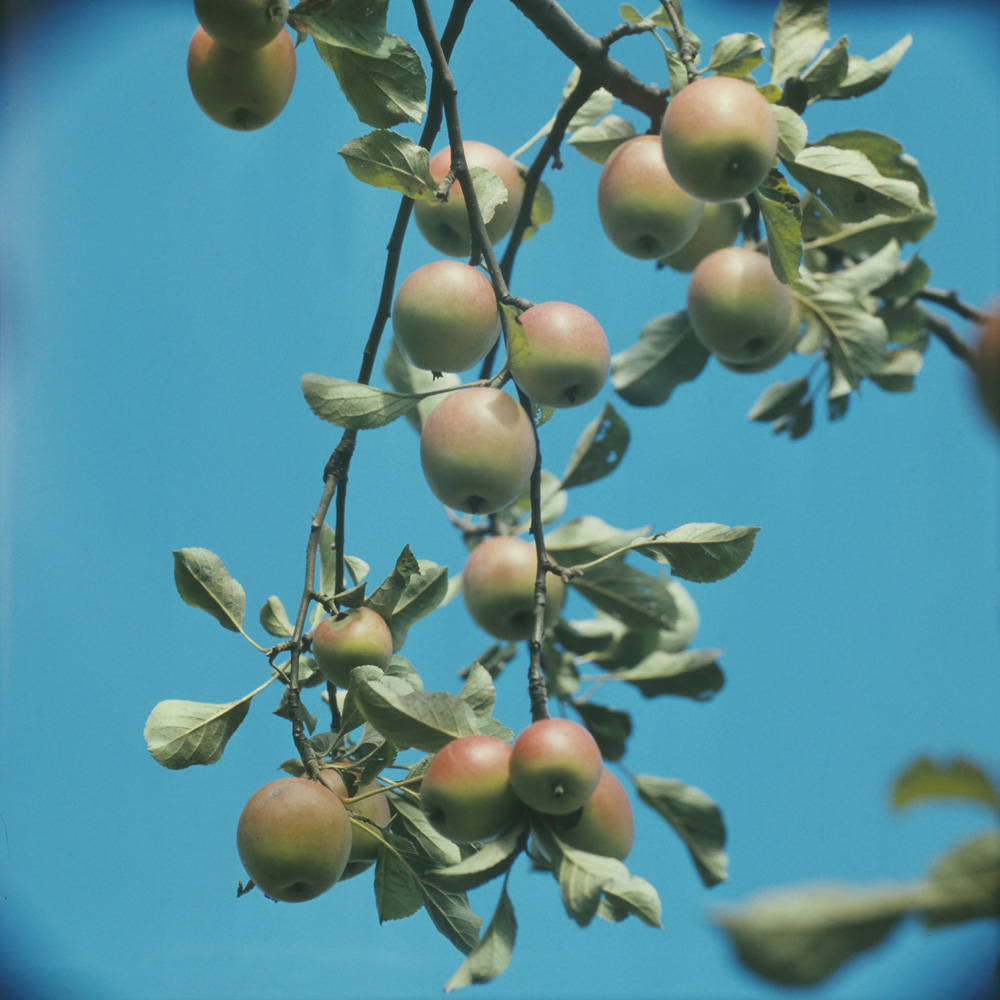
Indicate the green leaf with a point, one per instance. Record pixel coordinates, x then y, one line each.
738 54
411 822
542 210
492 953
489 861
695 817
274 620
702 553
479 692
927 780
587 538
634 597
964 884
798 937
694 673
353 405
909 279
826 74
610 727
865 75
204 582
900 369
391 588
426 720
633 896
389 160
423 592
408 380
384 84
793 133
396 893
666 354
779 399
181 733
517 516
598 451
597 142
798 32
781 214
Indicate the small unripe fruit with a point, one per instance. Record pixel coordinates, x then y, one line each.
241 90
560 356
242 24
605 825
737 307
719 137
477 449
643 210
555 765
294 839
351 639
466 793
445 316
498 586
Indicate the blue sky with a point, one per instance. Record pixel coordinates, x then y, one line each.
165 282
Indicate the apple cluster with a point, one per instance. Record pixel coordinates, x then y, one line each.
678 198
477 786
241 61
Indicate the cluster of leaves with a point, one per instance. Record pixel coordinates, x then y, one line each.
801 936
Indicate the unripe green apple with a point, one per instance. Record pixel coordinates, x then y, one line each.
737 307
445 225
477 449
241 90
445 316
242 24
605 825
351 639
719 227
498 585
466 793
560 356
775 357
986 365
720 138
364 844
555 765
642 209
294 839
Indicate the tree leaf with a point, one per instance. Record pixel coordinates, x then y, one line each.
694 673
599 449
204 582
597 142
825 75
798 32
702 553
927 780
633 896
666 354
864 75
542 210
488 861
798 937
479 692
406 379
781 214
631 595
396 893
353 405
964 884
389 160
181 733
492 953
274 620
587 538
695 817
779 399
411 822
738 54
610 727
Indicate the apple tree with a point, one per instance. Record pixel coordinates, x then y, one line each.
799 251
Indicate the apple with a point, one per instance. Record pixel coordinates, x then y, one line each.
719 137
643 210
241 90
466 793
719 227
737 307
555 765
477 449
445 224
364 844
498 586
242 24
351 639
780 352
445 316
986 365
605 825
560 356
294 839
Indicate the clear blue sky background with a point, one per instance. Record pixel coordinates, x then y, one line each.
165 282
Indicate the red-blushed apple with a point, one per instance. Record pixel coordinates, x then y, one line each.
445 225
477 449
498 586
374 807
466 793
241 90
642 209
719 227
294 839
445 316
986 365
781 350
555 765
605 825
351 639
719 137
242 24
737 307
560 355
